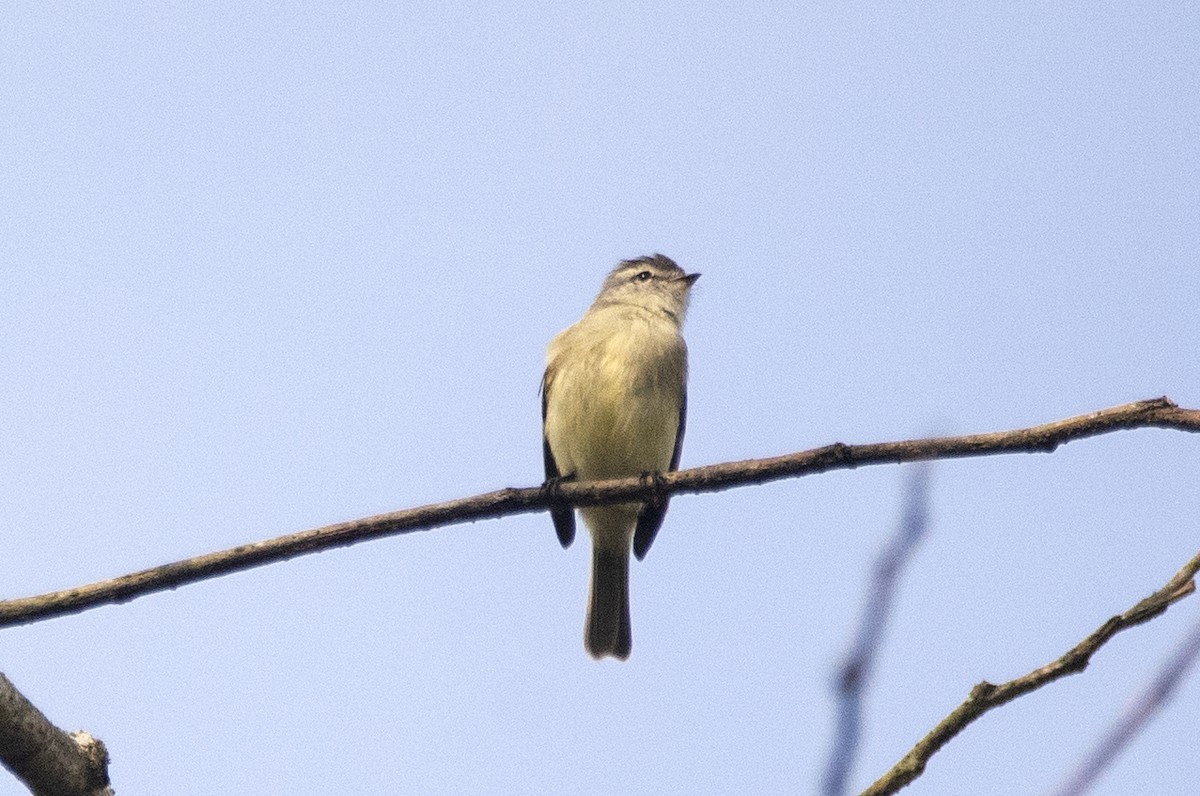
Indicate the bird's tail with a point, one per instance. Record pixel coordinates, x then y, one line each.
608 631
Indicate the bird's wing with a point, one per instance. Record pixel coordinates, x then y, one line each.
651 517
563 516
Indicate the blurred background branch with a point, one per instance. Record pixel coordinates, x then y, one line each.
855 672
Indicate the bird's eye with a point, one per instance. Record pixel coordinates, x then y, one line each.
644 275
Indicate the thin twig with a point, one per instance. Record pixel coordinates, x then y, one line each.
1152 698
1158 412
985 695
855 671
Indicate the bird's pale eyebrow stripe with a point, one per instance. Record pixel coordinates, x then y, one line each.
630 267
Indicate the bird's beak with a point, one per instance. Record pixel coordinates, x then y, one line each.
690 279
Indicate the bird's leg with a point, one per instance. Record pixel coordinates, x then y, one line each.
552 487
654 478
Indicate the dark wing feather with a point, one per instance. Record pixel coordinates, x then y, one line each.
651 518
563 516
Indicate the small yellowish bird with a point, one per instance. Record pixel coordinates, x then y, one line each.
614 405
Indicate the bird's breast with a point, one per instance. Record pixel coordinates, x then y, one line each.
614 400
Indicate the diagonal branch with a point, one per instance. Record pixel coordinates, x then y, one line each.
1157 412
985 695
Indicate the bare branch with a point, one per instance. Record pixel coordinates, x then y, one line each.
855 671
1158 412
46 759
985 695
1141 710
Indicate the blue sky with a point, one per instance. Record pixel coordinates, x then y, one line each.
269 267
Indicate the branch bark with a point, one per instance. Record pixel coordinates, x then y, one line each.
49 761
986 696
1157 412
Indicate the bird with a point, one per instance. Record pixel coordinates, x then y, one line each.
614 405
